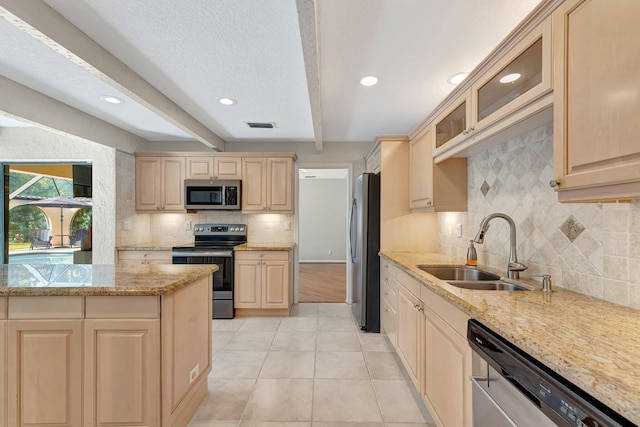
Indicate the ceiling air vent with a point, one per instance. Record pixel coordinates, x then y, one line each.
261 125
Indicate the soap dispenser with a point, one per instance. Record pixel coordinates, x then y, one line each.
472 256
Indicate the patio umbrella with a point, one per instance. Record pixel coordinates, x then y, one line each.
62 203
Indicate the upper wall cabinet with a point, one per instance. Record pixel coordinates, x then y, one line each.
509 91
435 187
267 184
160 184
596 100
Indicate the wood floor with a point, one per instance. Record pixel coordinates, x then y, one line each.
323 282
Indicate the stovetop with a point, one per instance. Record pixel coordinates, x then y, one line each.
216 236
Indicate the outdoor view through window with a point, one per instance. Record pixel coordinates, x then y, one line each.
46 223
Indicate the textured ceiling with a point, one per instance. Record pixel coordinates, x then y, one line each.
197 51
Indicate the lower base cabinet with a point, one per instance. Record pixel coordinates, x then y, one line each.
263 280
430 339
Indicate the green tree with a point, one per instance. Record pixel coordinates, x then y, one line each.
23 219
82 219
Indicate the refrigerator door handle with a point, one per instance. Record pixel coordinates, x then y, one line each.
351 231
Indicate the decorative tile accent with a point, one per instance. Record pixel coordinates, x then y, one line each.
589 248
485 188
572 228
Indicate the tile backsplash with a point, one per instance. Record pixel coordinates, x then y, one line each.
589 248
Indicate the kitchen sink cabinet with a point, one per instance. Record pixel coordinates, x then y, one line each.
596 105
160 184
440 187
267 184
263 280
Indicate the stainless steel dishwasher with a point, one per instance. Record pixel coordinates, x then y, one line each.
518 390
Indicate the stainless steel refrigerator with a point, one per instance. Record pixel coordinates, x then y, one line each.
364 243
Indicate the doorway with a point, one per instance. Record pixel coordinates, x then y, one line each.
323 202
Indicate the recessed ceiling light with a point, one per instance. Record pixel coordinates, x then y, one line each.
458 78
112 99
510 78
369 81
227 101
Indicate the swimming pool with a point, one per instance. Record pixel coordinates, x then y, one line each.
42 258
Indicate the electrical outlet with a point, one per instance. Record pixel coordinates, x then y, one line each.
193 374
329 252
459 230
287 225
126 225
187 225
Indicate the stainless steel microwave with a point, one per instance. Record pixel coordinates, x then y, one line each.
212 194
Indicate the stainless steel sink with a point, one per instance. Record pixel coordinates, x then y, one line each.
487 285
458 273
471 278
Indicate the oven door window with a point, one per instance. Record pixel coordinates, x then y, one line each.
205 196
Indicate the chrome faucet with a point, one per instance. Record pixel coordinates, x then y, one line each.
514 267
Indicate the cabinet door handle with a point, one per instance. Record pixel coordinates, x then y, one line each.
386 293
554 183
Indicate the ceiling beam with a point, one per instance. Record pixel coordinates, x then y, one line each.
308 33
38 20
25 104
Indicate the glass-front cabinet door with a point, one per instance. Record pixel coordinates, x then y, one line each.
453 124
521 76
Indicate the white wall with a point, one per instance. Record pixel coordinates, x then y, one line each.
35 145
322 219
603 261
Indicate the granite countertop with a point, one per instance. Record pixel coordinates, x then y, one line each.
265 247
84 279
150 246
593 343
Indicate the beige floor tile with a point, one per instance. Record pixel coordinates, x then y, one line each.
227 324
280 400
384 366
334 310
220 338
251 340
341 365
374 342
214 424
225 400
260 324
289 364
336 324
409 424
398 402
305 324
294 341
337 341
274 424
304 310
344 424
345 400
237 364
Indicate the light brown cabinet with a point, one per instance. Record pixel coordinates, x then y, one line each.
263 280
143 257
160 184
596 102
218 167
267 184
440 187
510 90
44 372
409 338
389 302
122 372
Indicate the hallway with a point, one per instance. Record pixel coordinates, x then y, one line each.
312 369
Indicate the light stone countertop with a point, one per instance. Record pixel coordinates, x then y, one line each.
151 246
265 247
592 343
85 279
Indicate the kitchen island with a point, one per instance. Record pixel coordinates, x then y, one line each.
103 345
592 343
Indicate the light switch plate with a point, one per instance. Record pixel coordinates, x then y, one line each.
187 225
126 225
459 230
287 225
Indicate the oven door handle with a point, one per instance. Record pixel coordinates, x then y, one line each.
209 253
